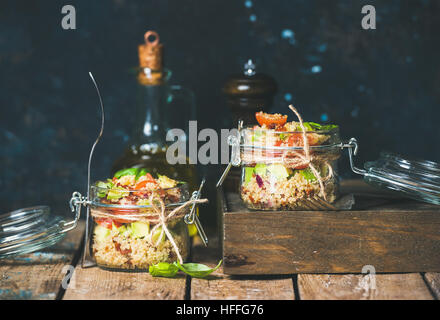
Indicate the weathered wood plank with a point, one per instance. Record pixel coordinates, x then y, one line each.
220 286
433 280
38 275
409 286
395 235
97 284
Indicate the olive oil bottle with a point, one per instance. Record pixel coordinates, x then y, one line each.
159 108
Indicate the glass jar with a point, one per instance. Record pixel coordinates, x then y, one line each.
133 237
283 171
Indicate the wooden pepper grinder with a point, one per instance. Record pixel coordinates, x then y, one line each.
248 93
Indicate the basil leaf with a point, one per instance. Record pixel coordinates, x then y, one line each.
329 127
126 172
312 126
141 173
308 174
197 270
163 269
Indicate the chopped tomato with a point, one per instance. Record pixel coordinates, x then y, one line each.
122 212
296 139
270 120
141 184
107 223
304 166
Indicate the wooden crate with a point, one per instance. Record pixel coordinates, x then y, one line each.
390 233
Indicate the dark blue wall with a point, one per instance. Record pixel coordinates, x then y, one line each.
381 86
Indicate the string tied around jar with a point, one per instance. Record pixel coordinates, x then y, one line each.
307 159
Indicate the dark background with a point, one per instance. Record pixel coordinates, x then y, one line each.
381 86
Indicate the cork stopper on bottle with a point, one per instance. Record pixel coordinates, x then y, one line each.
150 59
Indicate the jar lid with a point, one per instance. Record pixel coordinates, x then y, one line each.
416 179
29 229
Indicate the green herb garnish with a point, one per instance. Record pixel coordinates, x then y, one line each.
169 270
313 126
308 174
163 269
141 173
126 172
197 270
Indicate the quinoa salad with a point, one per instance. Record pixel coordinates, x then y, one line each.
281 170
128 238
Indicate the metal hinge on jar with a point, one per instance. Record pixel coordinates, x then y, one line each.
234 142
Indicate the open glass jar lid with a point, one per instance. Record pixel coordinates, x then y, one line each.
416 179
30 229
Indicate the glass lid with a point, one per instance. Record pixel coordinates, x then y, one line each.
29 229
416 179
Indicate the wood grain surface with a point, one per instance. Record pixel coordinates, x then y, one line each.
220 286
409 286
393 235
38 275
433 281
97 284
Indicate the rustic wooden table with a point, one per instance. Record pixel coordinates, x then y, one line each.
40 275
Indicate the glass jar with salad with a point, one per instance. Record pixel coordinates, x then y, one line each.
137 220
286 165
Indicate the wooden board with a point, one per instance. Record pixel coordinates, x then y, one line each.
433 281
38 275
389 233
219 286
97 284
363 287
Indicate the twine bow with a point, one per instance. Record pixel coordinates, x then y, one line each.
164 218
307 159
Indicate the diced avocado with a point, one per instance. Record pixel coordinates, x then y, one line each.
103 187
143 202
156 235
257 135
260 169
116 193
248 173
123 230
308 174
278 171
140 229
101 233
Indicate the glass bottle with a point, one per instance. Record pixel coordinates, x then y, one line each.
160 107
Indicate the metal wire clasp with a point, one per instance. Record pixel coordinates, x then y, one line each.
353 148
192 218
75 203
234 142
